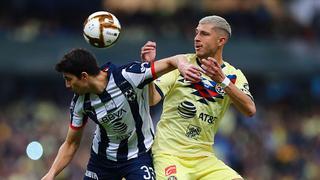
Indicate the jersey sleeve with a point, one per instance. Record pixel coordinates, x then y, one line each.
166 82
77 116
242 83
139 74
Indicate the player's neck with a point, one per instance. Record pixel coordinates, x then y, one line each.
219 60
99 83
218 56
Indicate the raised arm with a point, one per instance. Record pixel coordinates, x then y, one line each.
148 54
65 153
241 101
162 66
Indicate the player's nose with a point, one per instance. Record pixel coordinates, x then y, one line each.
196 37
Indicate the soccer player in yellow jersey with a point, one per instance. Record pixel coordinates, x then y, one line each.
183 147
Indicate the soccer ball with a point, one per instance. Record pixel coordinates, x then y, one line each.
101 29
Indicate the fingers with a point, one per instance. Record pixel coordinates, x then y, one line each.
207 68
212 68
148 52
193 78
145 51
146 48
210 62
193 74
149 45
195 70
202 70
210 65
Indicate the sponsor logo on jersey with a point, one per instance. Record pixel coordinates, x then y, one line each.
113 121
112 116
91 175
207 118
170 170
193 131
187 110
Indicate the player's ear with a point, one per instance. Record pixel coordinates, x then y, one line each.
222 40
84 76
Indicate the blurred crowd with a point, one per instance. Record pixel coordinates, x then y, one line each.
281 142
254 18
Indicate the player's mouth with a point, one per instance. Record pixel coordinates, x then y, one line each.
197 47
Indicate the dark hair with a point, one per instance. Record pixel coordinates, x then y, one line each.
77 61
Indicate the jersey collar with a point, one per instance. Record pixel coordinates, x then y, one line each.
199 63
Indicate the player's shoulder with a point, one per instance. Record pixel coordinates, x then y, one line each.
77 101
191 57
230 69
121 70
114 67
135 67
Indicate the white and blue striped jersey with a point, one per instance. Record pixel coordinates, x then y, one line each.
124 127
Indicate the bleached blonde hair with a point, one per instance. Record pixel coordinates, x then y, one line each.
217 22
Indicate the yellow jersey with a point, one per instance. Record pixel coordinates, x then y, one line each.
192 111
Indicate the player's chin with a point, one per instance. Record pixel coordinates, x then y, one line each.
199 53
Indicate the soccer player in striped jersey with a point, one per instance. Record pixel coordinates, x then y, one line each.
116 99
183 147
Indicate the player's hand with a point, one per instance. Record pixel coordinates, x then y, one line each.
148 52
189 71
212 68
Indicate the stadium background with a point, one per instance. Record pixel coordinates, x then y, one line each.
274 42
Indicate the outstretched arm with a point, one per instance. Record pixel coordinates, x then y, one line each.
162 66
241 101
65 153
189 71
